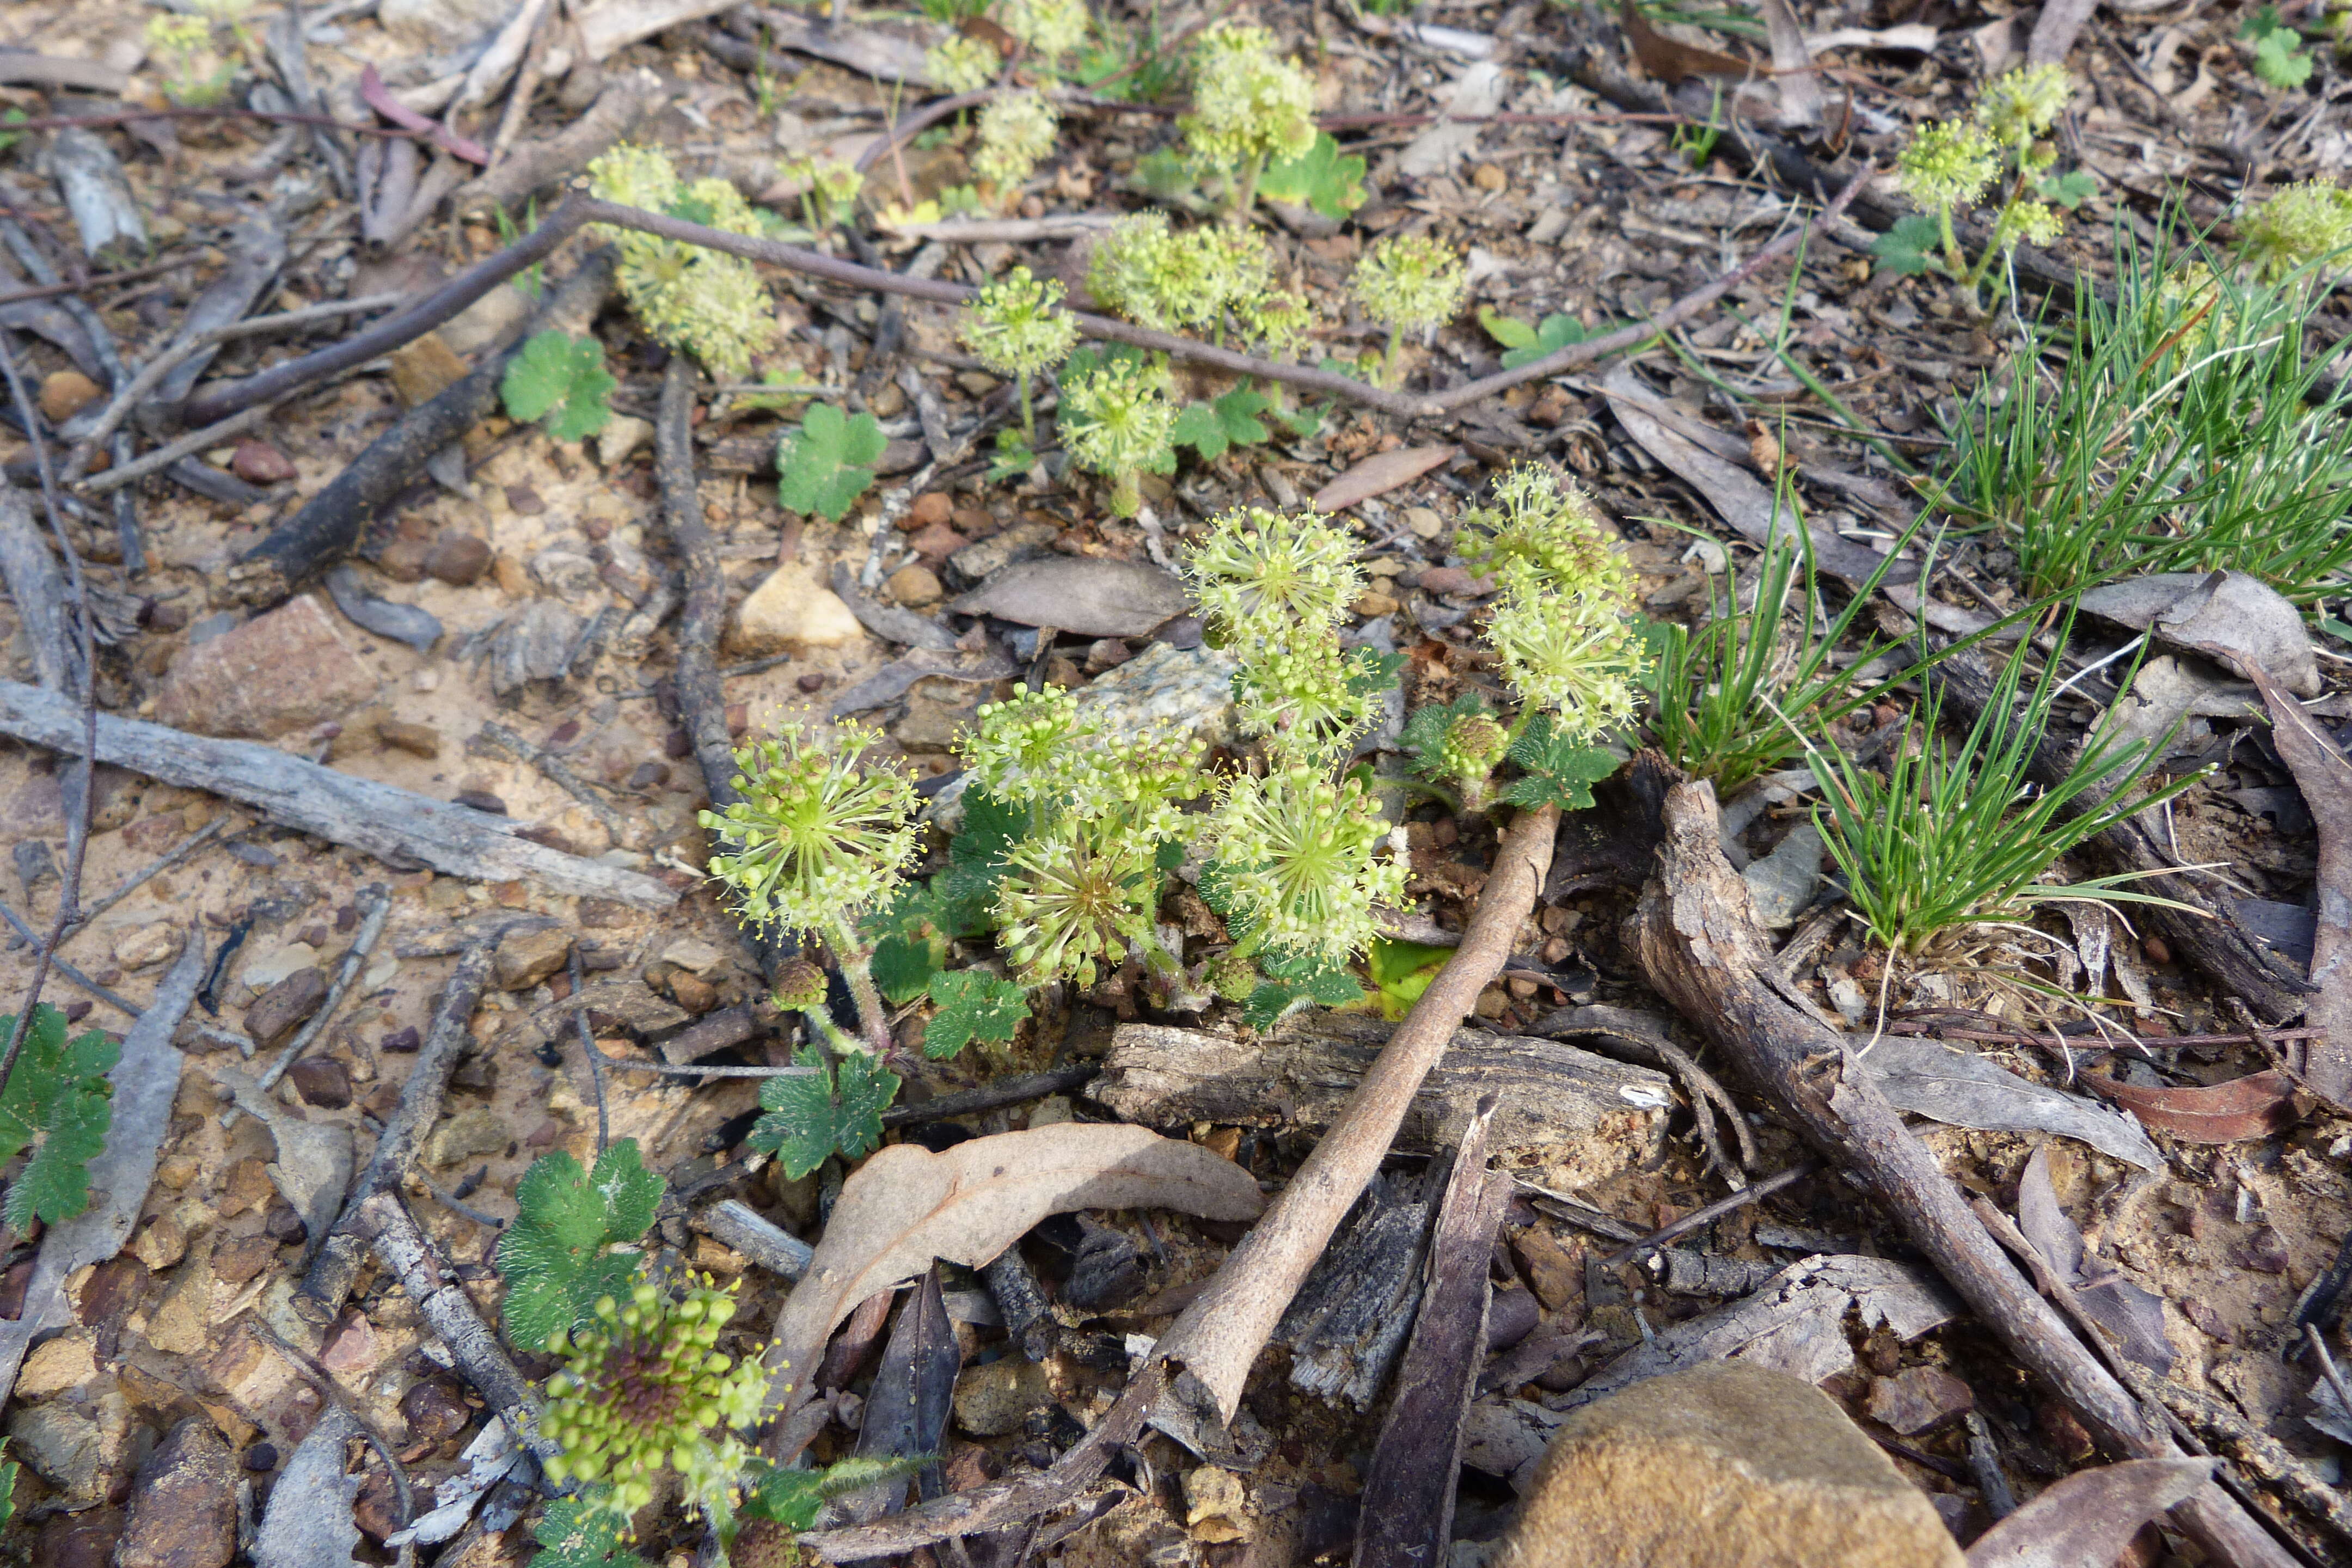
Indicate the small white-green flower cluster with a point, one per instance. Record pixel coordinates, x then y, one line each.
1118 421
1261 575
1951 164
1249 104
2299 225
1175 280
1561 627
1016 326
704 303
833 187
814 843
1948 163
960 63
1302 860
1016 130
1409 282
1049 29
2021 105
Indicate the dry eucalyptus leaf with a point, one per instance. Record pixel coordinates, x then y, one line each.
2254 1106
1376 475
1961 1088
1091 595
313 1169
2089 1517
907 1207
2221 613
2134 1316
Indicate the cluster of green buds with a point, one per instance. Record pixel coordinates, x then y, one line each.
1561 626
1016 327
1951 164
830 188
1409 282
1249 105
702 302
960 63
1302 862
2298 226
184 45
1118 421
1175 280
1050 30
1016 130
815 842
646 1387
1458 744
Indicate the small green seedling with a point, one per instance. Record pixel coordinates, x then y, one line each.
1525 344
560 380
1232 420
824 465
2280 58
57 1107
556 1258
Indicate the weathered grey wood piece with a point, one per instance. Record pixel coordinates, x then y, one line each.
1549 1092
452 839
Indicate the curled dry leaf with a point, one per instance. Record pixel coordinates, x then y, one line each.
1961 1088
1671 60
2089 1517
308 1522
907 1207
2228 614
2250 1107
2134 1316
1091 595
1376 475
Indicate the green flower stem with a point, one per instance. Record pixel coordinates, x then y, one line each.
1126 492
1954 257
822 1022
1388 360
873 1021
1248 188
1028 412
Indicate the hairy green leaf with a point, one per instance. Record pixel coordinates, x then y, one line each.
1559 772
2071 189
973 1005
557 1257
829 463
1330 181
561 380
1293 982
1913 245
791 1498
573 1534
809 1117
58 1106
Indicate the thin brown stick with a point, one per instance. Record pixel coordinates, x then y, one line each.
319 1378
130 275
1217 1337
1712 1211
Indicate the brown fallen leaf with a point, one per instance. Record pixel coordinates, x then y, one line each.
1093 597
2248 1107
1670 60
2089 1517
1379 474
907 1207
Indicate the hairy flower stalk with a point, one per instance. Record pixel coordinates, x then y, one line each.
646 1387
1016 327
813 844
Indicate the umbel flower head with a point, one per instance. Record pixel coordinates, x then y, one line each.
1016 130
646 1387
1118 421
1305 699
2024 103
1569 655
1075 898
1049 29
1030 749
1173 279
2025 222
1258 574
705 302
2298 226
1248 104
1278 323
1948 163
1539 527
1408 282
1303 861
1015 325
960 63
813 842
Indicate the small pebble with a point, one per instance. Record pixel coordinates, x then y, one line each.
261 1457
66 392
813 681
259 463
481 800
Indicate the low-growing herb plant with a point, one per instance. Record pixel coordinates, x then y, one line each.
2298 227
1016 130
1408 282
1049 30
1016 327
831 187
56 1111
1951 165
1249 106
184 45
1116 421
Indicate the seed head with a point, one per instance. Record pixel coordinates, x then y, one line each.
2024 103
813 842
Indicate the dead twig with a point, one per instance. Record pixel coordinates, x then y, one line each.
1697 1217
588 1048
376 902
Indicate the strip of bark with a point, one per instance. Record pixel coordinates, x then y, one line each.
1408 1505
701 694
332 522
534 164
1695 936
385 821
329 1279
1217 1337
